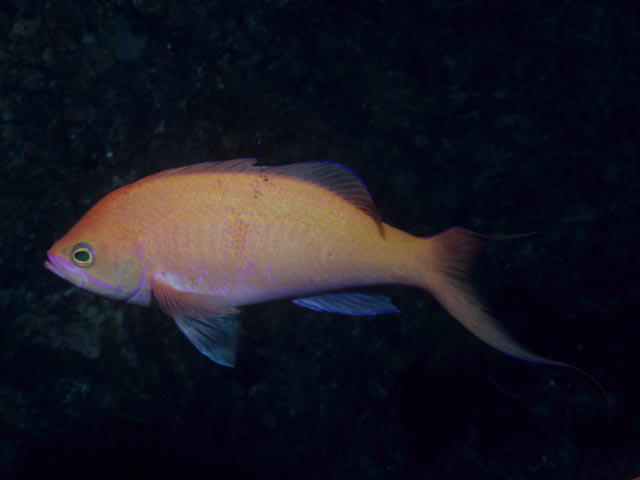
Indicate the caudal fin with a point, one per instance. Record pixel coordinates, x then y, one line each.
451 255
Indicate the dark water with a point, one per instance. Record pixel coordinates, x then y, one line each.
501 116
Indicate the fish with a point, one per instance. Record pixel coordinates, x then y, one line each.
203 240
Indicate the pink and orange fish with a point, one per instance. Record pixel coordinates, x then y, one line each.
203 240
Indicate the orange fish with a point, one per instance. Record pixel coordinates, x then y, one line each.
203 240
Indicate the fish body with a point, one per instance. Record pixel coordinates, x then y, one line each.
203 240
252 237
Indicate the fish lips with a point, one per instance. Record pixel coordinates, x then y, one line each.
64 269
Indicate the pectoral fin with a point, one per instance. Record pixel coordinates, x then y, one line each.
177 302
206 320
358 304
215 337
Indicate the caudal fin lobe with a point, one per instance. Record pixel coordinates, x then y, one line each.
451 256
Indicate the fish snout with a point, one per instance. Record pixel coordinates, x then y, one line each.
51 263
62 268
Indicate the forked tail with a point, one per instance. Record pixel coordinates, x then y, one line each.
451 255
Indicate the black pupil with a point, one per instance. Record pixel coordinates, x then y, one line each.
82 256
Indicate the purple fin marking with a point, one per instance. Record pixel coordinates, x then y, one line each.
357 304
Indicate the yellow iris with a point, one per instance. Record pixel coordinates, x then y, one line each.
82 255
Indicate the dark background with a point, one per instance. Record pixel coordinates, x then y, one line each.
498 115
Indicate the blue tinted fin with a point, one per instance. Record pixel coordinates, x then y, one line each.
349 303
216 337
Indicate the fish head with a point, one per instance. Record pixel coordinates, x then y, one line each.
99 258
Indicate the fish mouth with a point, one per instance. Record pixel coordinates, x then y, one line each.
58 266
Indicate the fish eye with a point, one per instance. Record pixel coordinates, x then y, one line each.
83 255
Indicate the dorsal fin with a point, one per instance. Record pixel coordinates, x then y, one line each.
336 178
331 176
227 166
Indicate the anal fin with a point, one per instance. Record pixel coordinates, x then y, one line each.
346 303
